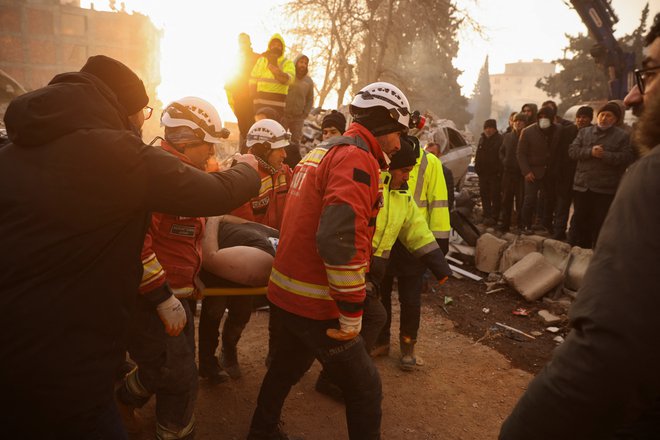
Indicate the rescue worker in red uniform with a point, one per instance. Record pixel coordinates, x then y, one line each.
171 259
267 140
317 286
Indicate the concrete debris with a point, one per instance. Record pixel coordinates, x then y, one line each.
548 317
556 252
533 276
536 333
486 310
521 247
493 277
553 329
578 267
558 339
488 253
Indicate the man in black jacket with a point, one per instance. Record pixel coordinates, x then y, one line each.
605 375
489 168
536 158
76 189
512 180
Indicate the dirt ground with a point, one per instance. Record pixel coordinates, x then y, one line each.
473 374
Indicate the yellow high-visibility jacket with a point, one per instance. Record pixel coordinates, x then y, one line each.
269 91
399 217
430 193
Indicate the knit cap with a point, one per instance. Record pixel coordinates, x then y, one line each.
126 85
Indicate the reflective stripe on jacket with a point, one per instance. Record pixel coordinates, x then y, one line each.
400 218
268 207
271 92
325 239
430 193
172 250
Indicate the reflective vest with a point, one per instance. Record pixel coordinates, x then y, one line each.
271 92
401 218
429 190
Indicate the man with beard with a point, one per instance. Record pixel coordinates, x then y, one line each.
603 382
271 77
299 100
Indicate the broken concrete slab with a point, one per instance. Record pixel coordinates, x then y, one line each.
577 268
521 246
508 236
488 253
533 276
556 252
548 317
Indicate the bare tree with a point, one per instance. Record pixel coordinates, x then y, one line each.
330 30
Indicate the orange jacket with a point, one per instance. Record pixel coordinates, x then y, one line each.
268 207
325 239
172 250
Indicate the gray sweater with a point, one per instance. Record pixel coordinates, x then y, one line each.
600 175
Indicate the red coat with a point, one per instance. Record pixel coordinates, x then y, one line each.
268 207
325 239
172 249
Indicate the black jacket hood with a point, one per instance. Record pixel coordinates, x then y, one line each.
70 102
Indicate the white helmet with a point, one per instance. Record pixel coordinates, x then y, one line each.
197 114
383 94
268 131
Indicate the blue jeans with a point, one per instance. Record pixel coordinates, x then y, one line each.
166 367
298 341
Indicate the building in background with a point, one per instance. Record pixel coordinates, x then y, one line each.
517 86
41 38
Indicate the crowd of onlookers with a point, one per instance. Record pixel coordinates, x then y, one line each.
543 164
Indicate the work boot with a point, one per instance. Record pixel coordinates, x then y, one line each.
324 385
229 362
407 361
210 370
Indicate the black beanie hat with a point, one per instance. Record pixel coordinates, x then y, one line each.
128 87
334 119
376 119
611 107
585 110
492 123
405 157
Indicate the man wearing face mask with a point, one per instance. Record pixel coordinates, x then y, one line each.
602 152
536 149
271 77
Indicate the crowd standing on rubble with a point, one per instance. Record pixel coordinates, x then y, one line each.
112 242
